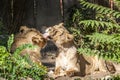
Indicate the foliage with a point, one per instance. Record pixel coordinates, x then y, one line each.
116 77
15 67
10 41
96 30
100 9
117 3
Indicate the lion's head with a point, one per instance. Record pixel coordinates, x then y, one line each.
59 34
29 36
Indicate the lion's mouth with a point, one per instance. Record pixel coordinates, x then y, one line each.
47 36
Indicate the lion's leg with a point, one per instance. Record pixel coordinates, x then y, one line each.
73 67
59 71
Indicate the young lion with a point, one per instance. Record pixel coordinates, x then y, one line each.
66 62
29 36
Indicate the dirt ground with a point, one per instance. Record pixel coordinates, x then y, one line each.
50 63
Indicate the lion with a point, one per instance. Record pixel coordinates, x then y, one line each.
29 36
68 61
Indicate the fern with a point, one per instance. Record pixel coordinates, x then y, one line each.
100 9
102 54
117 3
3 56
10 41
99 34
104 39
103 24
106 44
24 46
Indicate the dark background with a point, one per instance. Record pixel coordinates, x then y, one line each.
33 13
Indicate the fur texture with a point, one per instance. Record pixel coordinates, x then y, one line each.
29 36
91 65
66 62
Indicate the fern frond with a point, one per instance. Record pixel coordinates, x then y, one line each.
97 34
104 39
102 54
103 24
24 46
100 9
117 3
10 41
106 43
3 55
87 51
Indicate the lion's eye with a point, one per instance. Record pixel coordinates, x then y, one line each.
48 30
21 31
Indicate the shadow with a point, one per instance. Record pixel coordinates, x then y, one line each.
48 64
83 63
49 50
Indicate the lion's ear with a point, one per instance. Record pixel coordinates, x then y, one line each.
23 29
39 41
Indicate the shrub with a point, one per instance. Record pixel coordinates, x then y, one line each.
96 29
15 67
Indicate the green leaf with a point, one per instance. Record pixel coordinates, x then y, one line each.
10 41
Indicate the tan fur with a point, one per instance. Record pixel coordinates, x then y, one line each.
29 36
66 62
91 65
60 34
